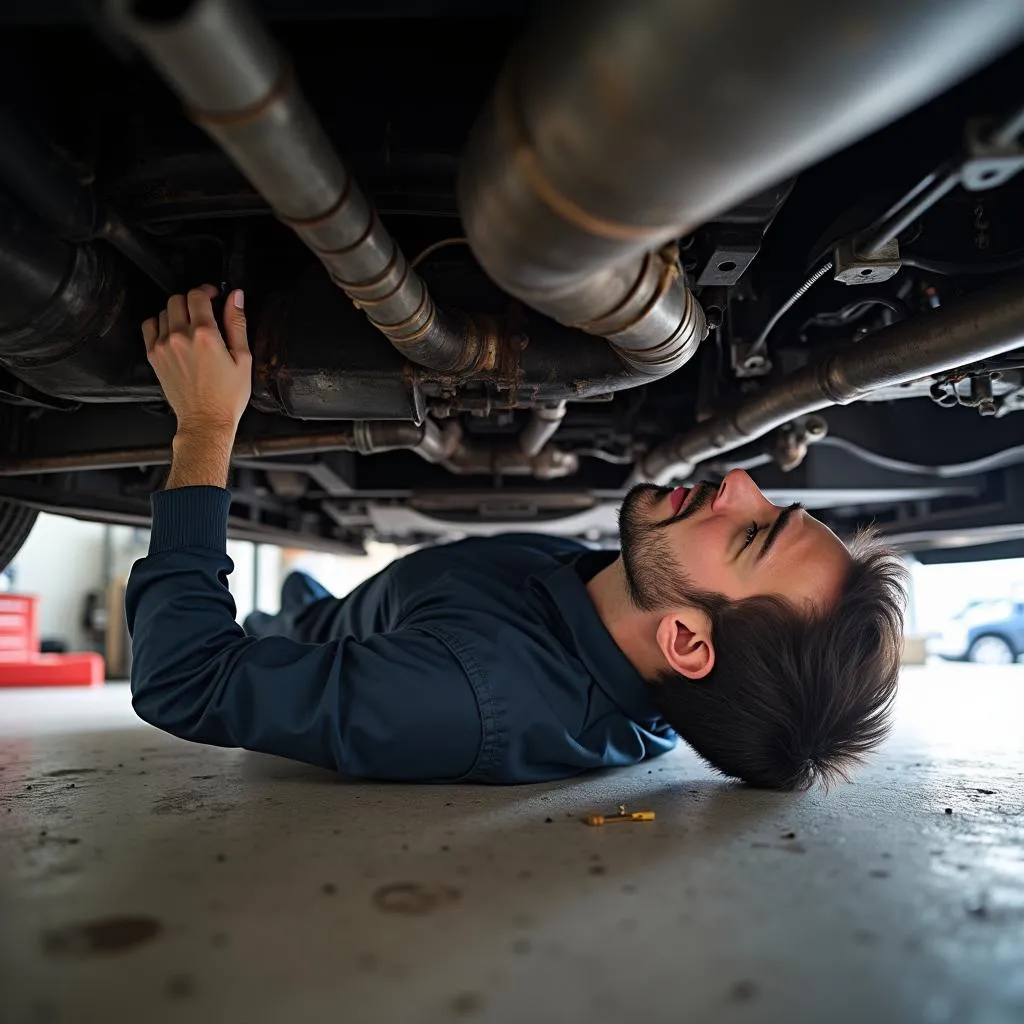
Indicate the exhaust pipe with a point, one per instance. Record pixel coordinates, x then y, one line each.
594 153
367 437
445 447
986 324
68 330
621 126
238 87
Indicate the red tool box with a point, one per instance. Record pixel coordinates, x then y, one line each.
21 664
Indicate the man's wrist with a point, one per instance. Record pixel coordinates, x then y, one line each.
201 456
205 430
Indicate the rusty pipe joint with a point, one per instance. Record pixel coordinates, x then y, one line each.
447 447
617 127
370 437
239 88
985 324
540 245
788 448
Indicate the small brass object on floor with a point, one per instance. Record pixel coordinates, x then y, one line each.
623 815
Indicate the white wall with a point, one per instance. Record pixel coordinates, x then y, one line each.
62 560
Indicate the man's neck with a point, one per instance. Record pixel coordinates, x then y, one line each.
631 629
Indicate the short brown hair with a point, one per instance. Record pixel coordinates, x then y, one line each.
792 699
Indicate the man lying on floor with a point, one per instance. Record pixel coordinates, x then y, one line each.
751 632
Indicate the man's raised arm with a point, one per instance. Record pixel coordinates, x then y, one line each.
395 705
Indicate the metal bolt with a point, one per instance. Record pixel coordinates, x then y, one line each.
753 362
981 396
713 316
815 427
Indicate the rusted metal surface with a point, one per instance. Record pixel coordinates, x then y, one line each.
317 358
365 437
239 88
269 353
617 127
448 447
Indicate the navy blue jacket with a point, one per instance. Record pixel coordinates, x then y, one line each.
483 660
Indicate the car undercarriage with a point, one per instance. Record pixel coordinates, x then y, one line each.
498 268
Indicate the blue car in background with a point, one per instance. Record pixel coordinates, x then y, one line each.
986 632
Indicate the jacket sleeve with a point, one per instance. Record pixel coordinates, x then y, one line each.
395 706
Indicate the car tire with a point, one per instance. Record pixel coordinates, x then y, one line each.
991 650
16 522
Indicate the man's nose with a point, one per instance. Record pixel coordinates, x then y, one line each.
738 493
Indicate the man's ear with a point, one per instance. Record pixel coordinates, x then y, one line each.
684 639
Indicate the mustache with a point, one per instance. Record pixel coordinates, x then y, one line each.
705 492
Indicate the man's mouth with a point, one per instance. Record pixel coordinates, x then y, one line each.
678 498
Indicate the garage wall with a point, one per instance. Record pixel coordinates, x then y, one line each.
62 560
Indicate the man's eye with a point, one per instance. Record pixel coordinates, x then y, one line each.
752 531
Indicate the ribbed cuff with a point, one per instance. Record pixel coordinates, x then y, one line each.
190 517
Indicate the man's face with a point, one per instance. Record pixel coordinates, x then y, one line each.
728 540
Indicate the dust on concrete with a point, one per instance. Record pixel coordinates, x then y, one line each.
181 801
467 1002
413 898
367 961
743 991
180 986
100 936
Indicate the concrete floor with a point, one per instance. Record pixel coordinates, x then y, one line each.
146 879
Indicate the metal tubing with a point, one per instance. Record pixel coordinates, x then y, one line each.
983 325
448 448
543 425
621 126
71 209
367 436
908 209
66 328
241 91
33 267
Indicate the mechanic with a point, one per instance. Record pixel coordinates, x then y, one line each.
750 631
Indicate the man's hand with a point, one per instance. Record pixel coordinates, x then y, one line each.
206 379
